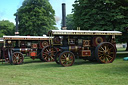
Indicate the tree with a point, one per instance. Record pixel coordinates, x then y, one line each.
70 22
6 28
102 15
36 17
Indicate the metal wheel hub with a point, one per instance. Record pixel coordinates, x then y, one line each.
67 59
105 53
49 53
17 58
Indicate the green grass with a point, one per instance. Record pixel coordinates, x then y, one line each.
81 73
121 49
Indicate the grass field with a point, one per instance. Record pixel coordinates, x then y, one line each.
121 49
81 73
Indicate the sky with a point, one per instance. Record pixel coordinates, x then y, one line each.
9 7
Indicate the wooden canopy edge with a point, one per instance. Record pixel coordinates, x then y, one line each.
83 32
25 38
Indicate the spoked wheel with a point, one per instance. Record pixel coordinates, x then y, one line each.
66 58
57 57
105 52
17 58
48 53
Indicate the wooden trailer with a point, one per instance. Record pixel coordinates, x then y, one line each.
87 45
14 48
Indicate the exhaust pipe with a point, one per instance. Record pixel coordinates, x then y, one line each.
16 31
64 16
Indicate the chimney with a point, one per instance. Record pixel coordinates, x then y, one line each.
64 16
16 31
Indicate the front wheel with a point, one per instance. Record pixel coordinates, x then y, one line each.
66 58
105 52
17 58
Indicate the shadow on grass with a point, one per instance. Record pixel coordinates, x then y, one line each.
32 61
48 65
37 63
5 64
29 63
83 62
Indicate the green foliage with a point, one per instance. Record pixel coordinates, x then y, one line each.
6 28
36 17
102 15
70 22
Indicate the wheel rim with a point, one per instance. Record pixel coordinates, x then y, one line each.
48 54
66 59
17 58
106 53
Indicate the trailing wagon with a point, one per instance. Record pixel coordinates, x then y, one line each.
14 48
87 45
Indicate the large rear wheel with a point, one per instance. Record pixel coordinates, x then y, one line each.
105 52
66 58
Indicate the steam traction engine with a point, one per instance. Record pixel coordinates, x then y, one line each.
88 45
15 46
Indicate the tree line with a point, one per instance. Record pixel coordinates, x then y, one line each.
36 17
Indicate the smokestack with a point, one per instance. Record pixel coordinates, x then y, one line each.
64 16
16 31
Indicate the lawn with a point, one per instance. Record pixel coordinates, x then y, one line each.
121 49
81 73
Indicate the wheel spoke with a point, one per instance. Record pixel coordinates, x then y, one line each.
103 59
52 58
68 55
64 55
100 54
100 51
105 48
102 48
47 50
109 57
45 53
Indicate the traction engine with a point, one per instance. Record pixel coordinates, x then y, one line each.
88 45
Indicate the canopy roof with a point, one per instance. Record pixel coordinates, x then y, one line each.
25 38
83 32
